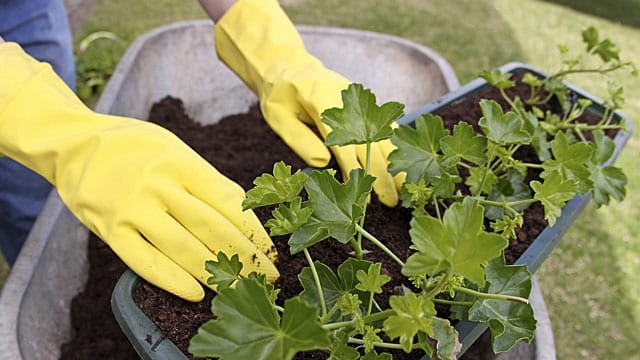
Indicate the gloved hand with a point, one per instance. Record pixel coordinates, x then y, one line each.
258 42
161 208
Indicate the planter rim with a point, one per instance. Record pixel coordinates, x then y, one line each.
22 273
121 71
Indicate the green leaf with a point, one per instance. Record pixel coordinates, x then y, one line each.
511 187
509 321
457 245
333 286
498 79
340 350
288 218
609 182
590 37
461 311
507 225
464 144
604 147
481 180
446 336
417 151
360 121
337 208
502 128
570 162
224 271
532 80
540 143
412 314
371 280
247 326
349 304
416 196
370 337
606 49
280 187
553 194
445 184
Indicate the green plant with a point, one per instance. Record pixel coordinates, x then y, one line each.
95 65
456 260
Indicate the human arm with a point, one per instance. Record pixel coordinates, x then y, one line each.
256 39
161 208
216 8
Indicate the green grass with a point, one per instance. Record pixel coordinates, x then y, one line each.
471 40
4 271
590 282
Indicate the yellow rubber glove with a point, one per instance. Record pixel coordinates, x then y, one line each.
258 42
161 207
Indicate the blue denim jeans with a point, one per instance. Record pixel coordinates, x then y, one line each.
42 29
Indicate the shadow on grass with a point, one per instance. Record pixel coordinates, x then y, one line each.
589 301
626 12
471 36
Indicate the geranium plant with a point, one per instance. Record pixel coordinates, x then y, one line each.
457 182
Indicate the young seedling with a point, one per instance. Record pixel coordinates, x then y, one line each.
456 259
336 309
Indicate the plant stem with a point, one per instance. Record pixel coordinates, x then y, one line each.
377 344
588 127
532 165
377 242
489 160
436 290
357 247
358 242
452 302
490 296
435 205
316 278
601 71
367 319
507 205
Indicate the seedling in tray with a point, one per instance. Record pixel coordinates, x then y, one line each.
457 260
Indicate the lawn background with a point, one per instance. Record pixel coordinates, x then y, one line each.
591 282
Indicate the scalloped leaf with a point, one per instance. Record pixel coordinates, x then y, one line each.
509 321
336 208
247 326
361 120
457 245
570 162
278 188
417 151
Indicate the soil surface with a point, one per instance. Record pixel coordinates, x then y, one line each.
242 147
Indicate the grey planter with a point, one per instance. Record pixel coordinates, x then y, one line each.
179 60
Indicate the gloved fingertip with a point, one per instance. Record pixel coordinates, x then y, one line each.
272 275
318 160
389 198
192 293
399 180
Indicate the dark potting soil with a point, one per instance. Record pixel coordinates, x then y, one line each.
242 147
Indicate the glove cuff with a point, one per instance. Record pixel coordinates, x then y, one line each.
16 68
257 40
39 114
